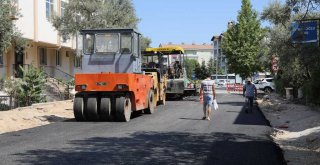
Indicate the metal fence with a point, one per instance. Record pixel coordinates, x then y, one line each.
6 103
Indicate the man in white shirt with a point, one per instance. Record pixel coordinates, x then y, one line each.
207 95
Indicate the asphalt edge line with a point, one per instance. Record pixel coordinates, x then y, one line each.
279 150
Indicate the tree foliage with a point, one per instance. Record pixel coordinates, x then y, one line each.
27 90
145 43
242 42
211 66
298 63
95 14
9 33
190 65
201 71
212 69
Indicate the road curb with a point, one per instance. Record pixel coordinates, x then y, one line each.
279 150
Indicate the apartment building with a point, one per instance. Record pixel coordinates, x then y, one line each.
219 58
45 48
199 52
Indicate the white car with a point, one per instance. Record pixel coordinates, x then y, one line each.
265 84
222 82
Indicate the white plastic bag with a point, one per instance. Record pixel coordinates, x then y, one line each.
215 104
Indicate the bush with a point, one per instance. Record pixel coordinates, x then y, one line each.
27 90
280 86
312 89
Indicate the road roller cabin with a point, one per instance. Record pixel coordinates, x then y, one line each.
176 85
111 84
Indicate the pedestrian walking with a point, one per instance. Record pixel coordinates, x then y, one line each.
207 95
249 92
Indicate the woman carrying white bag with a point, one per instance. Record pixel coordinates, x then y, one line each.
208 97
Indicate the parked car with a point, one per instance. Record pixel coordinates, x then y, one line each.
265 84
221 82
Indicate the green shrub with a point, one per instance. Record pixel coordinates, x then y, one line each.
312 89
280 86
27 90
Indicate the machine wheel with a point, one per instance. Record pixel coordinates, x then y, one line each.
105 109
92 109
267 90
163 101
123 109
151 105
78 109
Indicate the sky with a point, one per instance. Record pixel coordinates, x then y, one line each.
188 21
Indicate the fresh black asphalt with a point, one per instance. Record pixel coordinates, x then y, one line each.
175 134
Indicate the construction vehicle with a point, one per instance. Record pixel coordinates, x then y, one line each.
153 66
171 61
111 84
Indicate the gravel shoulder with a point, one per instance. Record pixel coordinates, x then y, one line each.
35 115
296 128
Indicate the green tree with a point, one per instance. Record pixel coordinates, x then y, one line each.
145 43
298 63
190 65
242 42
201 71
27 90
95 14
9 34
32 86
211 66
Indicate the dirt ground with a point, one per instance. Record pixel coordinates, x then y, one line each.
36 115
296 129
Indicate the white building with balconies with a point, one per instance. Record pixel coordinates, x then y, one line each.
45 48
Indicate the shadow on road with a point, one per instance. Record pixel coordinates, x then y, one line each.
160 148
252 118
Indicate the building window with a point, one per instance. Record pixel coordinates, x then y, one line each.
78 61
1 58
63 7
43 56
58 58
49 8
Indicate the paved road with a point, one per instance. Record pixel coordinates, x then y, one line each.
173 135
